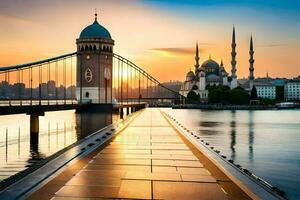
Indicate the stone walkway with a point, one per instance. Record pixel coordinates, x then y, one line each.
147 160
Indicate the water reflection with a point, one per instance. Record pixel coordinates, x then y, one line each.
233 134
209 132
89 122
260 141
210 124
20 148
34 146
251 135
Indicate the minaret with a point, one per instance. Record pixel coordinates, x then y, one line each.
224 74
251 62
197 59
233 83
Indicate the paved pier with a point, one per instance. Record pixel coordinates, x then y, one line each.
147 160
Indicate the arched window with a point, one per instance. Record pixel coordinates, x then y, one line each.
94 48
81 48
87 94
90 48
86 47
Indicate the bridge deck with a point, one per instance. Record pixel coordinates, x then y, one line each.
147 160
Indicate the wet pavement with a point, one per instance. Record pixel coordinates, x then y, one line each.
147 160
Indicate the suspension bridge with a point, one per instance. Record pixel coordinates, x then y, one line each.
93 76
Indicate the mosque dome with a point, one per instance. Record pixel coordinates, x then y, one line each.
211 67
210 64
190 76
95 30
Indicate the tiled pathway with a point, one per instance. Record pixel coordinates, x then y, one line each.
148 160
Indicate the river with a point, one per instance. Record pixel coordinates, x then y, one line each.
265 142
58 130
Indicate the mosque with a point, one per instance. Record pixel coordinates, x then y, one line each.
212 73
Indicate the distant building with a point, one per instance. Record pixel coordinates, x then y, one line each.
212 73
174 86
265 90
292 90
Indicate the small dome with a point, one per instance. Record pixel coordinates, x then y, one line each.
210 64
190 76
190 73
95 30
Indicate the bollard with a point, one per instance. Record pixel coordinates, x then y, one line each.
48 136
64 133
19 141
6 145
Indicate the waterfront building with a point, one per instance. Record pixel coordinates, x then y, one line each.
265 90
292 90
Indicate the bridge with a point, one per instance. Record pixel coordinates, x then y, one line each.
50 84
93 77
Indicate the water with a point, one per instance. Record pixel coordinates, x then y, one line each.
58 130
265 142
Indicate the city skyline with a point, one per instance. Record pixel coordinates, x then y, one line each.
165 43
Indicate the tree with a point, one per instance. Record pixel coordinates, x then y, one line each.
195 87
279 93
218 94
239 96
192 97
253 93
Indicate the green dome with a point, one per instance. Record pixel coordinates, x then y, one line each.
95 30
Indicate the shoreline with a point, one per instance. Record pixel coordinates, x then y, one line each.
227 107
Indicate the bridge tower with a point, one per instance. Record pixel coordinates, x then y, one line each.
94 65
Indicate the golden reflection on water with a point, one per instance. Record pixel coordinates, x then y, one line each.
58 130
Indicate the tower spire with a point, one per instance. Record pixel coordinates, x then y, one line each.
233 61
251 63
233 35
96 14
197 58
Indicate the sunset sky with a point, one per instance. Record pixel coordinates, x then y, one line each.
159 35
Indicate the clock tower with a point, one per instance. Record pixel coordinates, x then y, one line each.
94 65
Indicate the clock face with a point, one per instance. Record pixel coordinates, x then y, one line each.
88 75
107 74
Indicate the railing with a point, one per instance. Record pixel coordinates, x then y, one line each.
53 81
42 82
132 83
